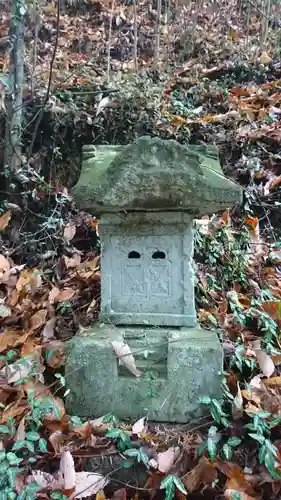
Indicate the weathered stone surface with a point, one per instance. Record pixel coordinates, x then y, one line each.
147 275
154 174
178 366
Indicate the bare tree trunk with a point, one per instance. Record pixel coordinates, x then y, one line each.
109 40
135 36
12 152
157 34
264 29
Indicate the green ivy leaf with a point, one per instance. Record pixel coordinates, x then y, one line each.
166 481
32 436
169 486
4 466
275 421
113 433
212 442
227 450
234 441
42 445
4 429
18 445
132 452
126 464
2 455
13 459
257 437
57 495
179 485
262 414
262 452
30 446
144 458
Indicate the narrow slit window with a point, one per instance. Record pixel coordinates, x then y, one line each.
159 255
134 255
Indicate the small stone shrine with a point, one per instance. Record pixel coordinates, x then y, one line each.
146 195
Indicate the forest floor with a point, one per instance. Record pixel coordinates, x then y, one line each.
212 79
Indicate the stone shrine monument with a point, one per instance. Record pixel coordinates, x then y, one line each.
147 195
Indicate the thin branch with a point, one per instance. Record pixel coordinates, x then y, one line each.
109 41
40 112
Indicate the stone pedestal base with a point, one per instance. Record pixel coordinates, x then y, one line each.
178 366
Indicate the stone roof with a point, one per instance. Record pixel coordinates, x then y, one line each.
154 174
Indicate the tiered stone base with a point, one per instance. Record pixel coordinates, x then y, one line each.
178 366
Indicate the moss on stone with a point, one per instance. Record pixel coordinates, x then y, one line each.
154 174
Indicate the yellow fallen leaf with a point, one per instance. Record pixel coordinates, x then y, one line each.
177 121
232 34
265 59
5 219
273 381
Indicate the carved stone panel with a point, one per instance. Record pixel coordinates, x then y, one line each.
147 270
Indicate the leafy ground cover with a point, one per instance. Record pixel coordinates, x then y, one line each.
218 85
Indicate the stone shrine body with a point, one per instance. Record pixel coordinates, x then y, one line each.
147 195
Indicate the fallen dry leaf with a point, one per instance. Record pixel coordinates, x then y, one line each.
264 360
88 484
65 295
237 405
53 294
273 381
69 232
12 338
38 319
15 409
166 459
47 333
125 356
30 279
57 441
45 480
204 472
20 434
20 369
139 426
5 219
72 262
265 59
4 269
101 496
67 470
